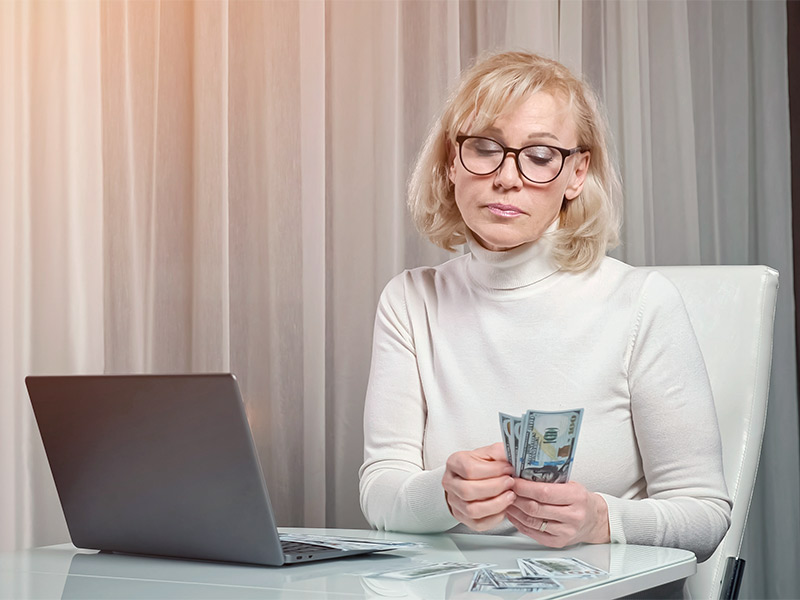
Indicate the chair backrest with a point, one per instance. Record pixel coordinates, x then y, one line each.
732 310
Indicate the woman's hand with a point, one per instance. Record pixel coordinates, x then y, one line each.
559 514
477 485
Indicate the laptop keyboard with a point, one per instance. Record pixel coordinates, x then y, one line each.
301 547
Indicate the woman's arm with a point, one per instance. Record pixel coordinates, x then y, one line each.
676 430
396 492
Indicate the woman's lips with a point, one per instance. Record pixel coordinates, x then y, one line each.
504 210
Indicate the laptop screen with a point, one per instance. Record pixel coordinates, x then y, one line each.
156 464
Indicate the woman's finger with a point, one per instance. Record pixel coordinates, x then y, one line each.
530 522
549 537
496 451
549 493
482 524
475 465
574 513
479 489
481 509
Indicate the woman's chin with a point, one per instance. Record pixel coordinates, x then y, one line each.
500 243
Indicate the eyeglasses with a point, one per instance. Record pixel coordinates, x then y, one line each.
538 163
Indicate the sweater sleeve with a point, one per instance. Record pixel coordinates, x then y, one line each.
677 432
396 491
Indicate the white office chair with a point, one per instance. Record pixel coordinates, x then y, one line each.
732 310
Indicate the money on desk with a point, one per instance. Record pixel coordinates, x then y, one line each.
541 445
558 567
350 543
487 580
428 569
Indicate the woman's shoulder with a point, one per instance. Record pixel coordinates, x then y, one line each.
645 283
425 281
613 275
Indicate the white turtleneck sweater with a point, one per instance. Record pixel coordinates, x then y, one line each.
508 331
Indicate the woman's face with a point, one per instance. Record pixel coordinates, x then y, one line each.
503 209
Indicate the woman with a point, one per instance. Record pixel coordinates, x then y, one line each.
535 316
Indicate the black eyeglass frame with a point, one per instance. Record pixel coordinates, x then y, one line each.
565 153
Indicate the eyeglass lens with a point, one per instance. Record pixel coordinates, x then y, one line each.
482 156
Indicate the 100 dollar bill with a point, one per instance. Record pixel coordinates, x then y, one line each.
541 445
511 427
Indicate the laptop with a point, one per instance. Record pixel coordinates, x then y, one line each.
165 465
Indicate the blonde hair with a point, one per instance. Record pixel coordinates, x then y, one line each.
589 224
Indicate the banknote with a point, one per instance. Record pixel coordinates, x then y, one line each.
348 543
510 579
541 445
429 570
511 427
558 567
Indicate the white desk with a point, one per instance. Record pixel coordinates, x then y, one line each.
66 572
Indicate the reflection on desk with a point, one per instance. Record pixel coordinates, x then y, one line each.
65 572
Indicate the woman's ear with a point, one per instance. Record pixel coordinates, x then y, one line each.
451 161
577 175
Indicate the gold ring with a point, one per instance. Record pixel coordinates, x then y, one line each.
543 526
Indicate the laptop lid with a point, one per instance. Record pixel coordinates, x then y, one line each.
156 464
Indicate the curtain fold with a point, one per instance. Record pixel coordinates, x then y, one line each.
266 283
51 264
15 500
314 235
364 235
148 185
221 187
210 293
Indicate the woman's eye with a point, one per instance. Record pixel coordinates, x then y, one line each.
487 148
539 155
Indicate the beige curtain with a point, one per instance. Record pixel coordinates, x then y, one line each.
152 184
215 186
51 235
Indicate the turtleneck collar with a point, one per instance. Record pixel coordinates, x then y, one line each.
512 269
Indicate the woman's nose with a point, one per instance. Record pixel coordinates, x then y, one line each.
508 175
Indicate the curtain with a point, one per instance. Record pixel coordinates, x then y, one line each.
51 221
220 186
697 95
203 233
